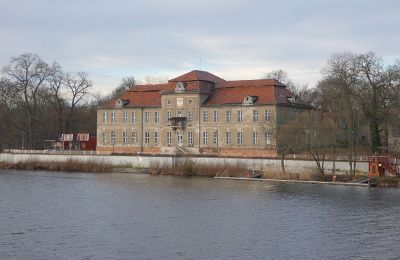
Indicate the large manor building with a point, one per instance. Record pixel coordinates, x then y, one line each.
197 113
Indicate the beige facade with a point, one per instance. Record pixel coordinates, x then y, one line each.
186 122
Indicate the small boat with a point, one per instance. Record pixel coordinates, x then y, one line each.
253 173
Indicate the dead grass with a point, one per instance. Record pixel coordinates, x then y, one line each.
188 167
278 175
69 165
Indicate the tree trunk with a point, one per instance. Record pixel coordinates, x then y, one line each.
283 163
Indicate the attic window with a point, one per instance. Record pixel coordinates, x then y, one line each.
121 103
180 87
291 99
249 100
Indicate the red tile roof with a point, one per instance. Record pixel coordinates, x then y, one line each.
198 75
268 91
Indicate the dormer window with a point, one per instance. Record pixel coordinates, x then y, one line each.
291 99
180 87
249 100
121 103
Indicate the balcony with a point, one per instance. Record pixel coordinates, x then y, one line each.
178 122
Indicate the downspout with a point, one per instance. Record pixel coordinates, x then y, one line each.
141 139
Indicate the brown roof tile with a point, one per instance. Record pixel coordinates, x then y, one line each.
198 75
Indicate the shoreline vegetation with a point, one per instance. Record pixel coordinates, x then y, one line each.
187 168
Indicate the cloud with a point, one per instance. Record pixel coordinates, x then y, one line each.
235 39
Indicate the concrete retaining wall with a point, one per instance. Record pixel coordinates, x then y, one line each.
145 161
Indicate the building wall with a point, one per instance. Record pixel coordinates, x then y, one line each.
258 132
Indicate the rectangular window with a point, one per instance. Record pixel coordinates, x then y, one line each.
255 115
147 117
157 117
240 115
267 138
216 115
125 117
179 113
133 117
179 138
215 139
147 137
190 137
169 137
205 116
104 117
169 115
267 115
228 116
255 138
133 137
104 137
124 137
190 116
156 137
112 117
112 137
190 101
205 137
228 138
239 138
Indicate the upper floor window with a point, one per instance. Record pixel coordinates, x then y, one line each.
255 115
133 117
267 115
112 117
104 117
228 116
190 101
169 115
156 116
240 115
190 116
179 113
205 116
147 117
168 102
125 117
216 115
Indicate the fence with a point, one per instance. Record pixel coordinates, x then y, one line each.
57 152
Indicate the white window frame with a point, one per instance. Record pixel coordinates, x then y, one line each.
147 117
240 115
205 137
125 117
104 137
133 137
255 115
112 136
239 139
228 116
104 117
205 116
267 115
216 116
190 137
147 137
156 117
190 116
267 136
215 137
169 137
156 137
112 117
255 137
124 137
228 137
133 117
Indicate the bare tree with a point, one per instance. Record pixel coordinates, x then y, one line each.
28 72
78 86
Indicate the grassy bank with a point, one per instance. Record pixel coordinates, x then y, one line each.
69 165
190 168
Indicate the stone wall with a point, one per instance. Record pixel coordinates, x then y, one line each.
146 161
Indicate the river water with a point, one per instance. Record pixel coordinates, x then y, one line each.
47 215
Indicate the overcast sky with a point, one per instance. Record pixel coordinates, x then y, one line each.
234 39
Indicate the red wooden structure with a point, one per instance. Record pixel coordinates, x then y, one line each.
80 141
379 165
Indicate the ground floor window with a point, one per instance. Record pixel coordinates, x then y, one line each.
255 138
147 137
112 137
169 138
239 138
205 137
267 138
133 137
156 137
124 137
215 137
190 137
104 137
